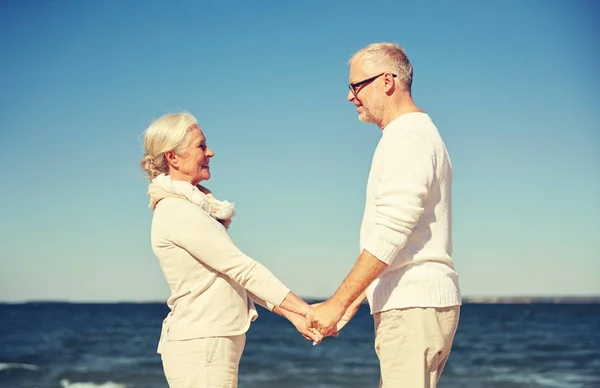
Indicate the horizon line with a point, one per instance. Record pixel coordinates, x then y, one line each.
467 299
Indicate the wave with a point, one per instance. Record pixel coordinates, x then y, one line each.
109 384
4 366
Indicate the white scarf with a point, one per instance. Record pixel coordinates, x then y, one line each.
220 210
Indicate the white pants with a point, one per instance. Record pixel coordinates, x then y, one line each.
203 362
413 345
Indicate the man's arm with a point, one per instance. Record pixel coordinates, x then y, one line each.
366 269
406 174
326 315
350 313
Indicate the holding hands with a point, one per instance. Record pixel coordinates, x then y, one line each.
322 320
329 318
311 334
324 317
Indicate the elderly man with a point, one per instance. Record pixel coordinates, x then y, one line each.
405 269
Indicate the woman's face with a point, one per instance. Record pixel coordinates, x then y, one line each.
193 163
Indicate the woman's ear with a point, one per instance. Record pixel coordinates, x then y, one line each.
171 157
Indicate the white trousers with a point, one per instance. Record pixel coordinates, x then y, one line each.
413 345
203 362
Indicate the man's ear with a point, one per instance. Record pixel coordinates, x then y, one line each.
171 157
389 85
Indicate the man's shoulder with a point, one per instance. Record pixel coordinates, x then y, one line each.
408 121
415 127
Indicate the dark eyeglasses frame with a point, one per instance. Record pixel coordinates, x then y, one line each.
355 85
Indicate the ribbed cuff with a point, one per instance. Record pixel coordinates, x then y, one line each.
383 249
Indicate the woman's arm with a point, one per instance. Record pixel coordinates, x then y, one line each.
199 234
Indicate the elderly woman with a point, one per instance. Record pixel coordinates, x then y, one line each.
213 284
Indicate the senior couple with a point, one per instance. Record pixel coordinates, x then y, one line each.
404 270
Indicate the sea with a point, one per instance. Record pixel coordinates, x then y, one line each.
74 345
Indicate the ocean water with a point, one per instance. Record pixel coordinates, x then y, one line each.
62 345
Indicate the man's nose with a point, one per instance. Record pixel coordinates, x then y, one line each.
350 96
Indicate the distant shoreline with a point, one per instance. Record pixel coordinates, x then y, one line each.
466 300
536 299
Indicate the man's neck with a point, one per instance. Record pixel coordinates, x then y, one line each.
397 109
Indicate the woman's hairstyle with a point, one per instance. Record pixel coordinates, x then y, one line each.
169 132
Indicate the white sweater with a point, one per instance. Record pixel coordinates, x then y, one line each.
407 218
212 282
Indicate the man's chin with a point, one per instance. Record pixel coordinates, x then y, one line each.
365 118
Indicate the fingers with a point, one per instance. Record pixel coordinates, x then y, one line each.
317 341
326 331
315 335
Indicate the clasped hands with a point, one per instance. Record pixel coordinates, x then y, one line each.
328 318
322 320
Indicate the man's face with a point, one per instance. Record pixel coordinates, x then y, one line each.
365 95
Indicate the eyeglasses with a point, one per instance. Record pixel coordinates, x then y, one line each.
353 86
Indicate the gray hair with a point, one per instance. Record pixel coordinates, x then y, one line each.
168 132
388 57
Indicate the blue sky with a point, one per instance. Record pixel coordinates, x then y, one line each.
513 86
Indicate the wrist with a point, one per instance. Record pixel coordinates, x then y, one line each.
338 304
306 311
287 314
341 302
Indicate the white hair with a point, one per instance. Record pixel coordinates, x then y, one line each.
388 57
168 132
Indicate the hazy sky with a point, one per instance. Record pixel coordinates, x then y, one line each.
513 87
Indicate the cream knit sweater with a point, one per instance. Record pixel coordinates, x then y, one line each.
212 282
407 218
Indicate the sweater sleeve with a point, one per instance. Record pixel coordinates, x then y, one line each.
403 179
261 302
204 238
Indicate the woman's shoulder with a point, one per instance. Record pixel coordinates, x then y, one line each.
179 209
173 204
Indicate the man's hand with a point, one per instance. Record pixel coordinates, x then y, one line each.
352 290
300 324
324 317
350 312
